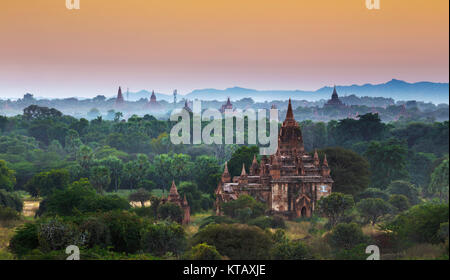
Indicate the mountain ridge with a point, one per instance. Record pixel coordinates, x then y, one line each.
426 91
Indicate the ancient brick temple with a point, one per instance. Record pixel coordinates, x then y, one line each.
174 197
289 182
334 101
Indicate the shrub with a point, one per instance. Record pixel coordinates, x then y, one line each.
10 200
405 188
216 220
268 222
170 211
244 208
45 183
358 252
399 202
146 212
347 236
373 209
335 206
203 251
162 238
96 232
55 234
25 239
81 197
420 224
291 250
125 229
8 215
372 193
140 195
236 241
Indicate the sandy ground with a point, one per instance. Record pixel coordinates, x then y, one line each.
30 208
138 204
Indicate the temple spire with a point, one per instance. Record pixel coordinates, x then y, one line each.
173 188
289 114
243 173
119 96
254 160
325 161
334 95
316 158
225 171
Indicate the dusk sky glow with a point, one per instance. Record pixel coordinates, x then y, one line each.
164 45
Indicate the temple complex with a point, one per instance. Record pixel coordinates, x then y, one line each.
289 182
334 101
175 198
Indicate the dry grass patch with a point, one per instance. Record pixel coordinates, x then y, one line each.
424 252
30 207
196 220
297 230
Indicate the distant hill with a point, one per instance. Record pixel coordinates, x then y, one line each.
396 89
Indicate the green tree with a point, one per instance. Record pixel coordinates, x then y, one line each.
206 172
80 197
7 178
162 238
419 167
72 141
387 162
400 202
235 241
170 211
126 230
243 155
44 183
335 206
193 195
373 193
140 195
291 250
372 209
244 208
204 252
420 224
405 188
349 170
100 178
346 236
439 180
115 166
10 200
24 239
85 158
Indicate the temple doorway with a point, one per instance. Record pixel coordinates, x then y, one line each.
303 212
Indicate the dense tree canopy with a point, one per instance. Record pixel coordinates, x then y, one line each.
349 170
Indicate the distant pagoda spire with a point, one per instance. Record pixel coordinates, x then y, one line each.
335 94
119 99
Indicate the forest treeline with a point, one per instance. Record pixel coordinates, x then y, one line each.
386 174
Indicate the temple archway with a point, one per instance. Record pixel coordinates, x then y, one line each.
303 213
